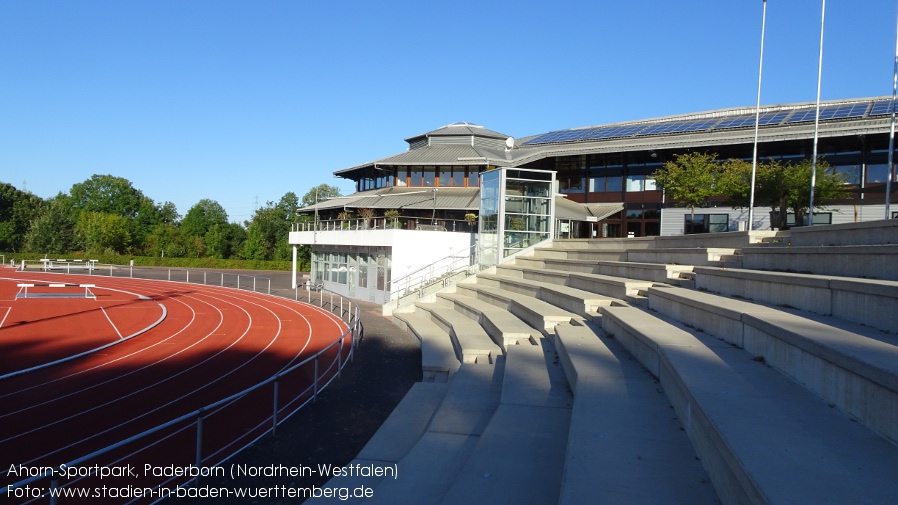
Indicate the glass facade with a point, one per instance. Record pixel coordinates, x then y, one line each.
362 273
517 211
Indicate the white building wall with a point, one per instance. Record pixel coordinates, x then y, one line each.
410 251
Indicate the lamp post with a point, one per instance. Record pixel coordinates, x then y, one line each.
433 218
817 119
891 173
754 158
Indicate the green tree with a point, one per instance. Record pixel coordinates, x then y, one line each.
322 192
53 232
689 180
268 232
782 187
102 232
18 209
200 218
106 193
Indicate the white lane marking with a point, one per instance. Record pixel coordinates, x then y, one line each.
113 324
8 309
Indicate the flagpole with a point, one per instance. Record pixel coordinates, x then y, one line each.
754 158
892 132
817 119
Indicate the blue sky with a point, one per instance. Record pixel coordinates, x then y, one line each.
241 102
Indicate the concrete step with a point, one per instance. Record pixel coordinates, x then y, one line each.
762 437
655 272
438 359
520 455
429 469
612 288
515 279
682 256
872 302
625 445
469 339
580 254
539 314
405 425
850 366
861 261
503 327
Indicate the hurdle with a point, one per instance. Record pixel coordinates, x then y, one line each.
23 291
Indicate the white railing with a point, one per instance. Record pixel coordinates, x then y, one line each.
435 276
382 223
191 276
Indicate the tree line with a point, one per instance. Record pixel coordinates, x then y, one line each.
693 179
107 215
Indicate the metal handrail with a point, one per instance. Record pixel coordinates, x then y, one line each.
92 267
434 272
374 223
350 316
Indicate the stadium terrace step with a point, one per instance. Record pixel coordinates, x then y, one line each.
849 365
762 437
470 341
618 288
861 261
868 301
552 289
580 254
520 455
681 256
405 425
536 313
432 465
438 361
503 327
624 445
884 231
655 272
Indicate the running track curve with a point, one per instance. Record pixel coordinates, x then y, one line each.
213 342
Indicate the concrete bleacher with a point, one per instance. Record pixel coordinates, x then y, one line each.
666 370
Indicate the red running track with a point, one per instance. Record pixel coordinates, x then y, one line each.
212 342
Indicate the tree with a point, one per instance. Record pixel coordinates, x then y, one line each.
268 232
782 187
322 192
102 232
18 209
53 232
106 193
202 216
689 180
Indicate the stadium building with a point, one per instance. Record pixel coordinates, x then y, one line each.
423 206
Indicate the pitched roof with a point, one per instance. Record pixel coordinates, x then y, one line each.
405 198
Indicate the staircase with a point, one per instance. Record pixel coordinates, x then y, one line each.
593 372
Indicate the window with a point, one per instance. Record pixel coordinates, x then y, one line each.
877 173
402 176
572 184
417 176
430 176
850 173
707 223
819 218
637 183
606 184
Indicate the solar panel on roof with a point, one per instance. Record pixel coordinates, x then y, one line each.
557 136
679 127
773 118
881 108
609 132
830 112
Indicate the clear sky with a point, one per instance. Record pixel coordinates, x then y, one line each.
242 101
